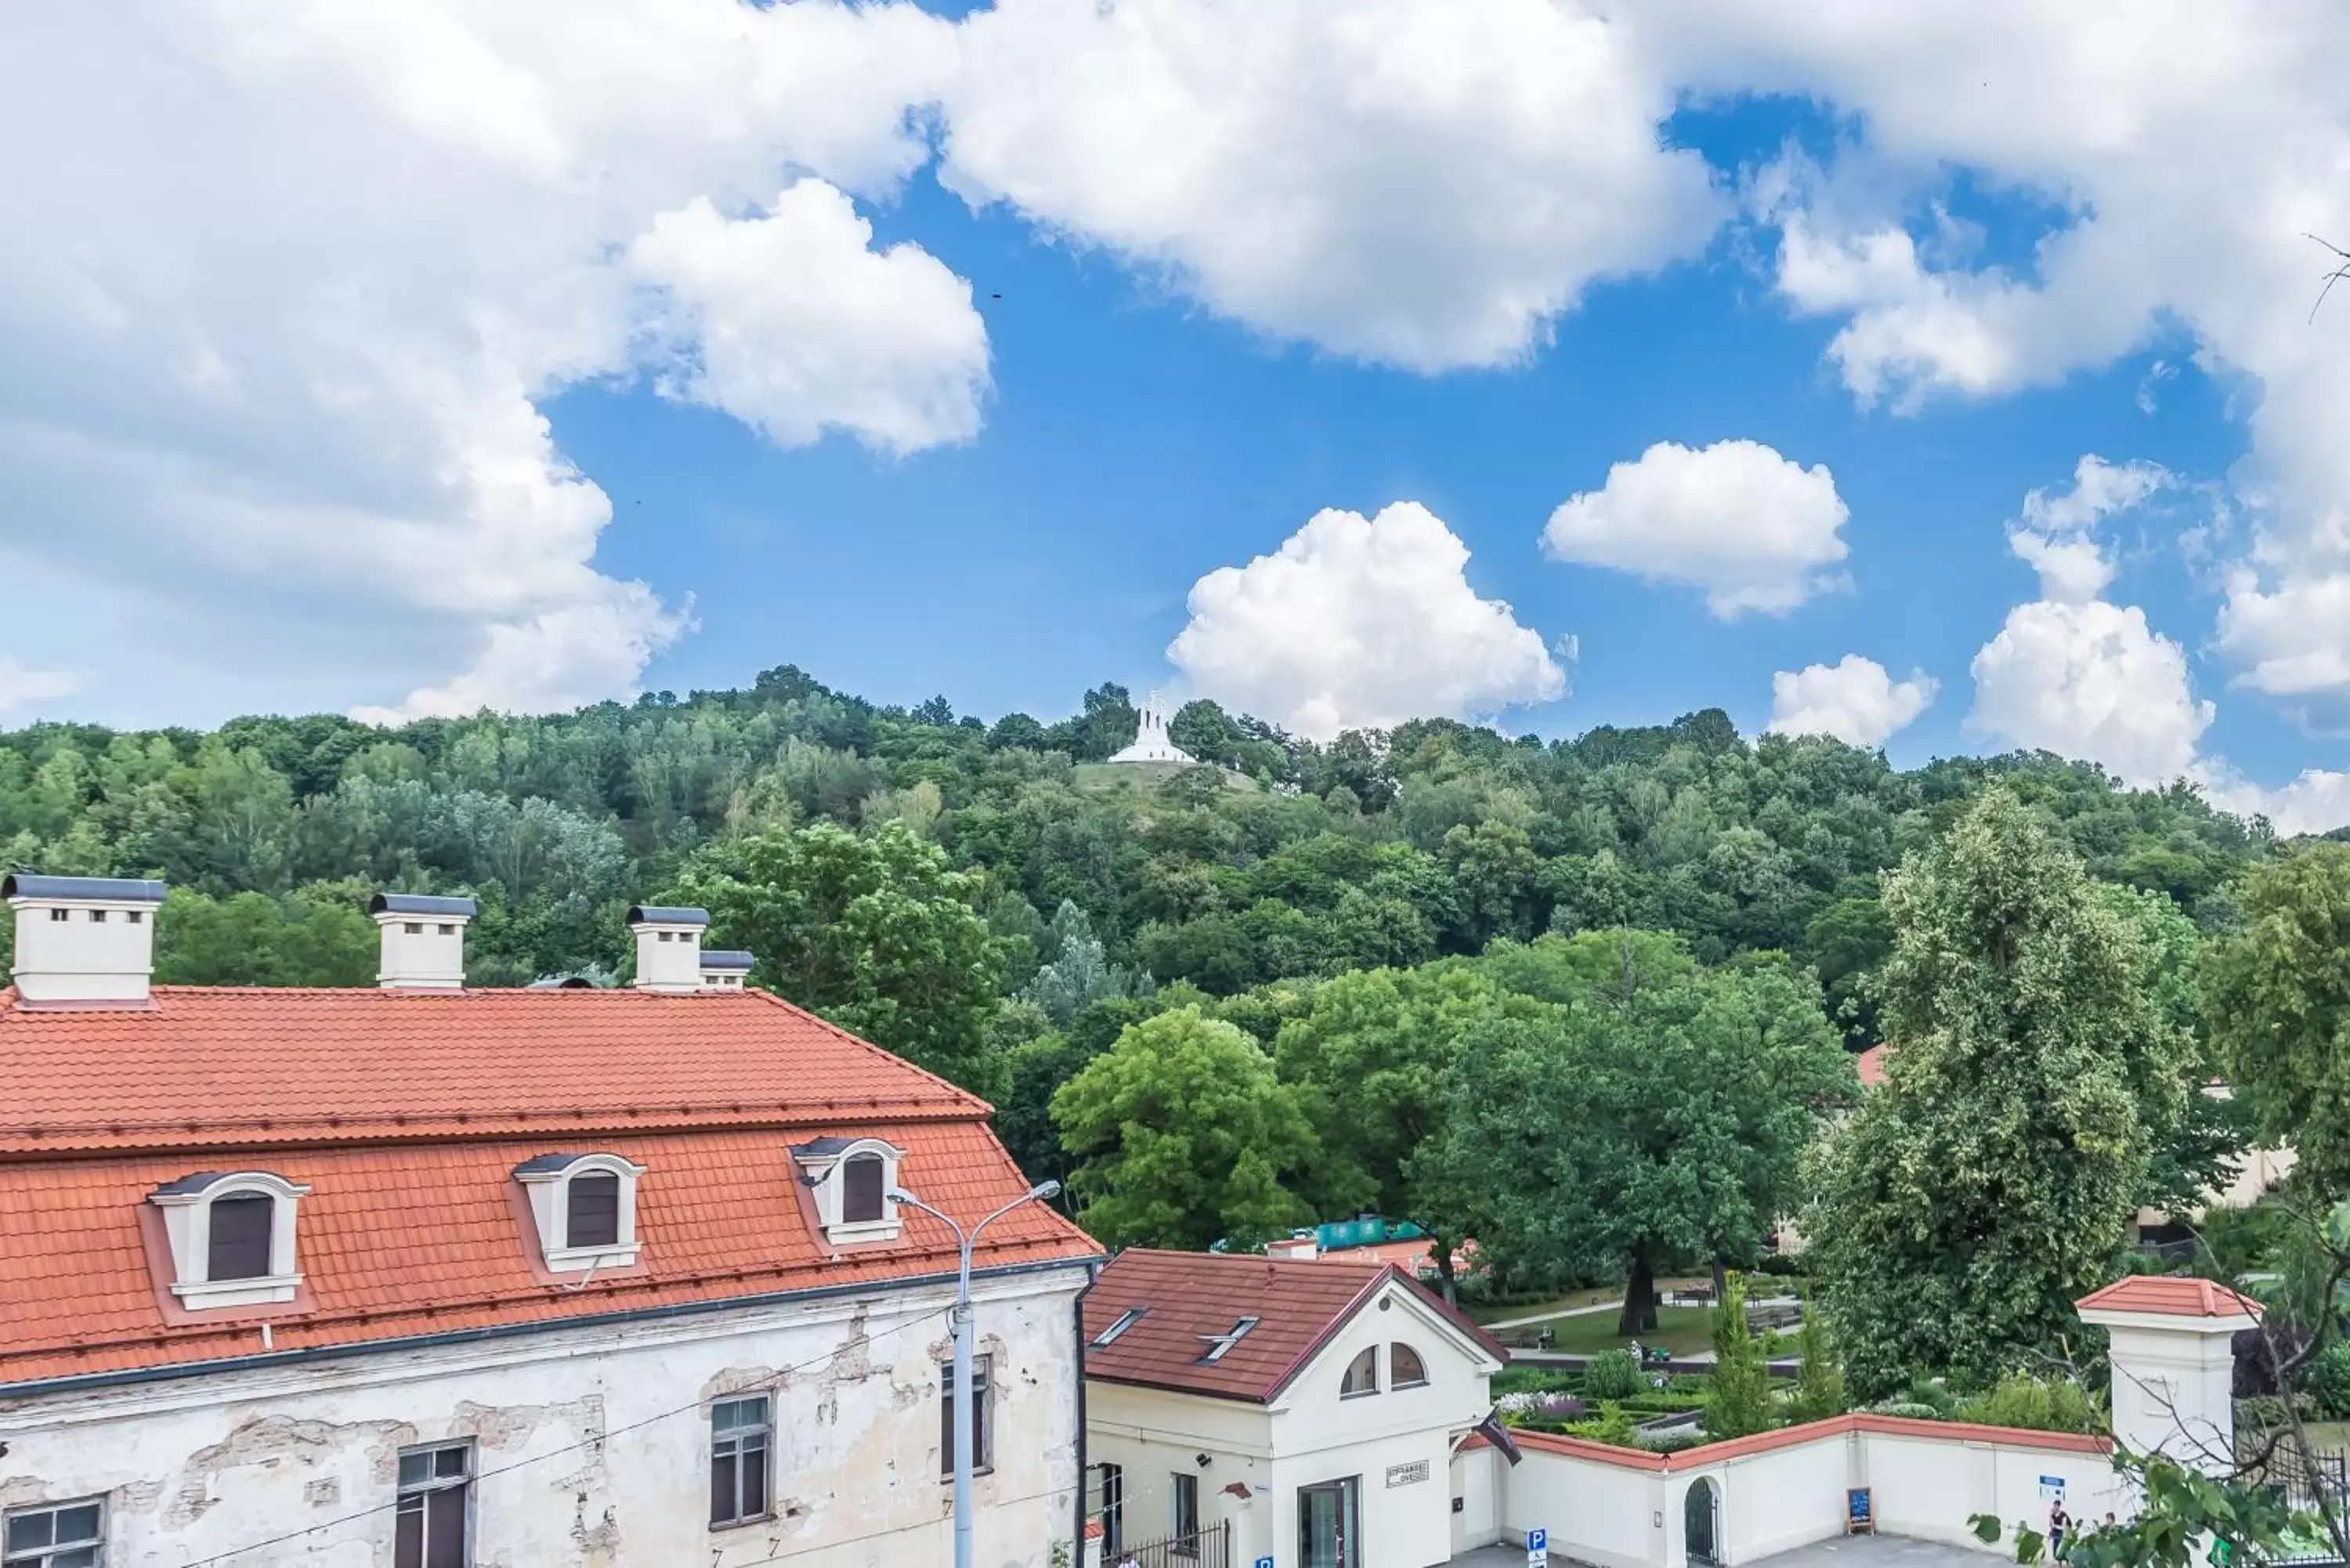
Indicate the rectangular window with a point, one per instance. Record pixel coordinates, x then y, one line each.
594 1211
436 1494
58 1535
241 1224
98 916
739 1430
131 916
60 914
860 1190
1112 1509
1186 1522
982 1451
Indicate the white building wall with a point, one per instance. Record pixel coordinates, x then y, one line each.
1309 1436
1771 1501
1153 1436
1930 1487
592 1443
1476 1486
1607 1514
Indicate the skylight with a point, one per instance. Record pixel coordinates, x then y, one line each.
1126 1320
1218 1343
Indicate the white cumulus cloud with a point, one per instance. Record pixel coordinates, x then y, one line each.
2091 680
1420 182
1752 529
23 686
1853 699
284 288
1360 623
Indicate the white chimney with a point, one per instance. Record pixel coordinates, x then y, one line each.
83 940
423 941
724 970
668 947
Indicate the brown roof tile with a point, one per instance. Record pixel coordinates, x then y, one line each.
1191 1297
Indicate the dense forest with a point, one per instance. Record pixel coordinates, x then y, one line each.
996 901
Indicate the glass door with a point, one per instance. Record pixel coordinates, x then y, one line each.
1327 1516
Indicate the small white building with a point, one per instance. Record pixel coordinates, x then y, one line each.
420 1276
1308 1412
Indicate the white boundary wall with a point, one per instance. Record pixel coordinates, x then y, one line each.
1619 1509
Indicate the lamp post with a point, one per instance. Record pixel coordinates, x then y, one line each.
960 1401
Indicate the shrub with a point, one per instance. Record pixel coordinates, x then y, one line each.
1533 1380
2328 1380
1910 1409
1779 1265
2020 1400
1612 1375
1674 1441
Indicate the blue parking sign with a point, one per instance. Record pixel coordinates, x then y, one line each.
1264 1563
1537 1549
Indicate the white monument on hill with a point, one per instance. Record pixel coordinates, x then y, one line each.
1150 742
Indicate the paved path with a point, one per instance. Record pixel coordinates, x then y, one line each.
1610 1306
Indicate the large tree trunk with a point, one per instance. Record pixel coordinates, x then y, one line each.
1639 1313
1443 1251
1721 1280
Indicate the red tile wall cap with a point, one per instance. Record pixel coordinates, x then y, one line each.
2162 1295
1706 1454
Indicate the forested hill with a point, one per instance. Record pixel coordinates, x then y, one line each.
1293 861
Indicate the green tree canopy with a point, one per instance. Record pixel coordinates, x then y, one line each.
876 933
1970 1200
1656 1112
1185 1137
2278 992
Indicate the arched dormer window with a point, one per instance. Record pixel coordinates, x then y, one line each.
585 1207
1362 1374
231 1238
851 1179
1405 1368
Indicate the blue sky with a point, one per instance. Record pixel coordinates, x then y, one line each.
480 361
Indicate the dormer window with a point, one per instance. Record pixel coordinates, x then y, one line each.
231 1238
851 1179
584 1208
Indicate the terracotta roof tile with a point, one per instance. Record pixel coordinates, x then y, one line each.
2158 1296
399 1113
1188 1298
250 1066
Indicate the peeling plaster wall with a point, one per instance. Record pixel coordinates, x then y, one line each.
602 1435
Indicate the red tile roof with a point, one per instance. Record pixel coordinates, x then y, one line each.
250 1066
1871 1064
406 1115
1191 1297
2158 1295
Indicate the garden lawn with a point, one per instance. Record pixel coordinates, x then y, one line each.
1684 1330
1597 1295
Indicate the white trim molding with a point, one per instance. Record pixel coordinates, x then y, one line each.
822 1165
187 1207
546 1181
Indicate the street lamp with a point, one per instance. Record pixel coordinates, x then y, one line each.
961 1398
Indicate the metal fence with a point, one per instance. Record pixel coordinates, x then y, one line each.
2311 1483
1209 1548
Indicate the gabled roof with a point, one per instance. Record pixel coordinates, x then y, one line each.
255 1066
2158 1295
1194 1299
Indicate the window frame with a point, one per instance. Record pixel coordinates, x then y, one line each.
763 1432
1366 1359
244 1201
1183 1497
43 1554
187 1208
1396 1379
549 1192
982 1416
434 1485
849 1165
824 1171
